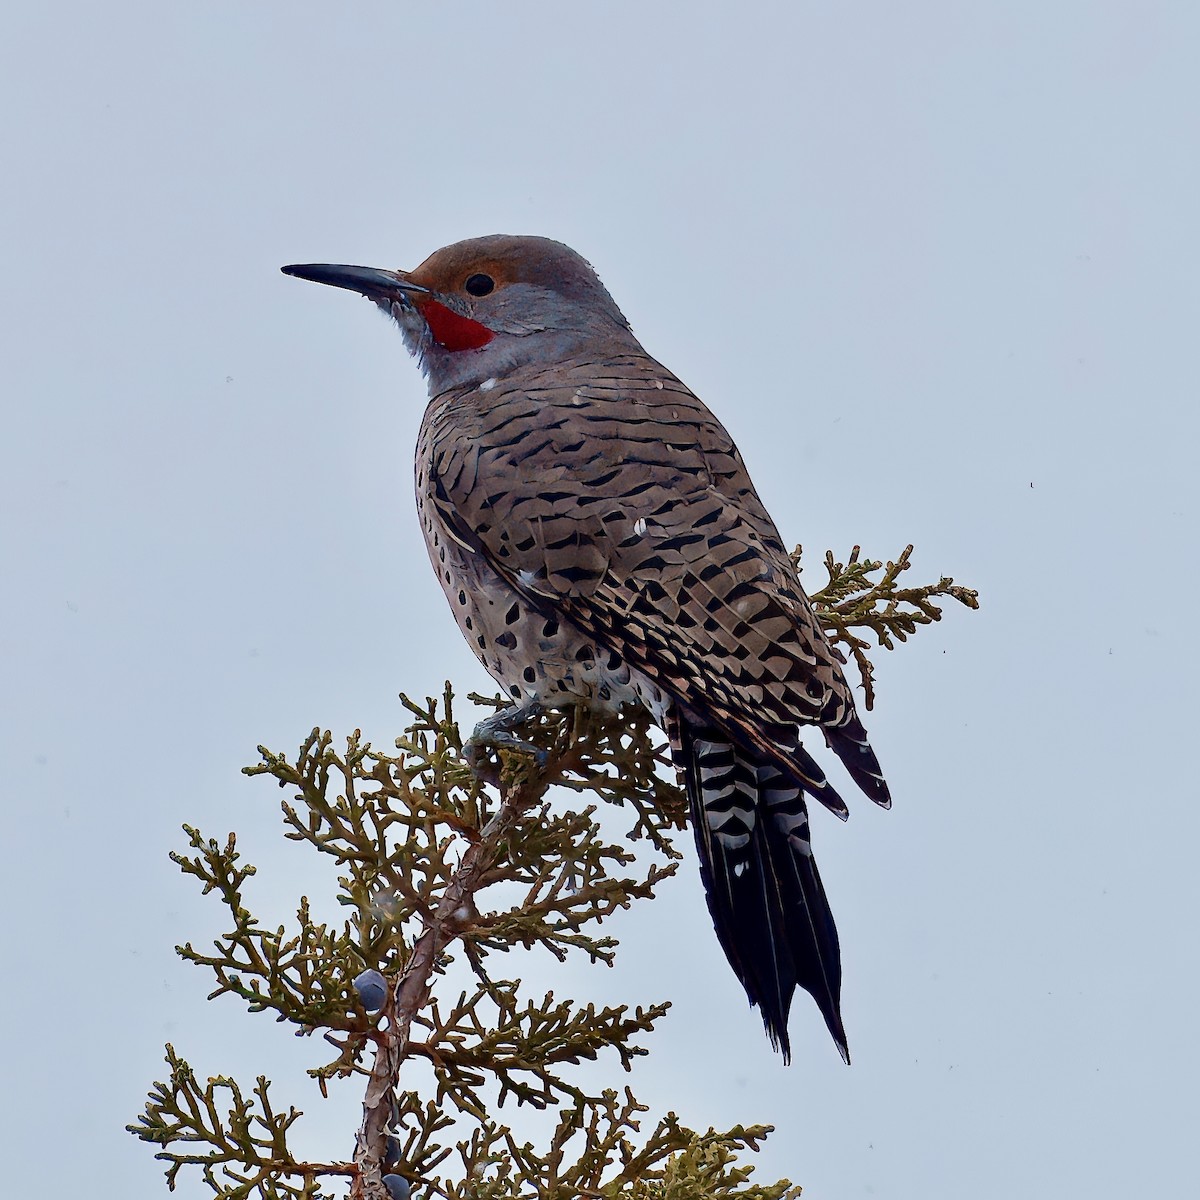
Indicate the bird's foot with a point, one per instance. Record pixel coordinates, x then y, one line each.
498 733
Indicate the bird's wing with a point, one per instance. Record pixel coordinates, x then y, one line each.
620 502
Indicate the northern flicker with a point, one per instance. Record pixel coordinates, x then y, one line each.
599 539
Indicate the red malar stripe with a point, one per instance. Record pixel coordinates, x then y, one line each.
451 330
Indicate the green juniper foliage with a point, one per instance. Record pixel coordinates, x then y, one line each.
429 858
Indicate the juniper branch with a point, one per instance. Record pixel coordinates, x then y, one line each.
420 847
851 600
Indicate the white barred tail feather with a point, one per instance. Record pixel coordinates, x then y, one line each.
761 882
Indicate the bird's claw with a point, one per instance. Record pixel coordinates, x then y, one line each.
497 733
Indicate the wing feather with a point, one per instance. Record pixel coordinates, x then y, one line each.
619 501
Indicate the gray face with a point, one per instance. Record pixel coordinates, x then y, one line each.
544 305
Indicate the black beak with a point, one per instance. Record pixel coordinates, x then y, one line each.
373 282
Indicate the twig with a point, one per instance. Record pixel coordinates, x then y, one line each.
411 992
851 600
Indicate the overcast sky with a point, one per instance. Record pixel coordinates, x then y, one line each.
935 266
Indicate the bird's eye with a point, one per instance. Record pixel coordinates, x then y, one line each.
479 285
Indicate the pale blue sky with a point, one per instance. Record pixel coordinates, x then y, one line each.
934 264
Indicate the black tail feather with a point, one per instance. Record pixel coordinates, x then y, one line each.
849 742
763 890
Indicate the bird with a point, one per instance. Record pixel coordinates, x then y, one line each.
600 541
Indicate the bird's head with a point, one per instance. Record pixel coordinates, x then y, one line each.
478 309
